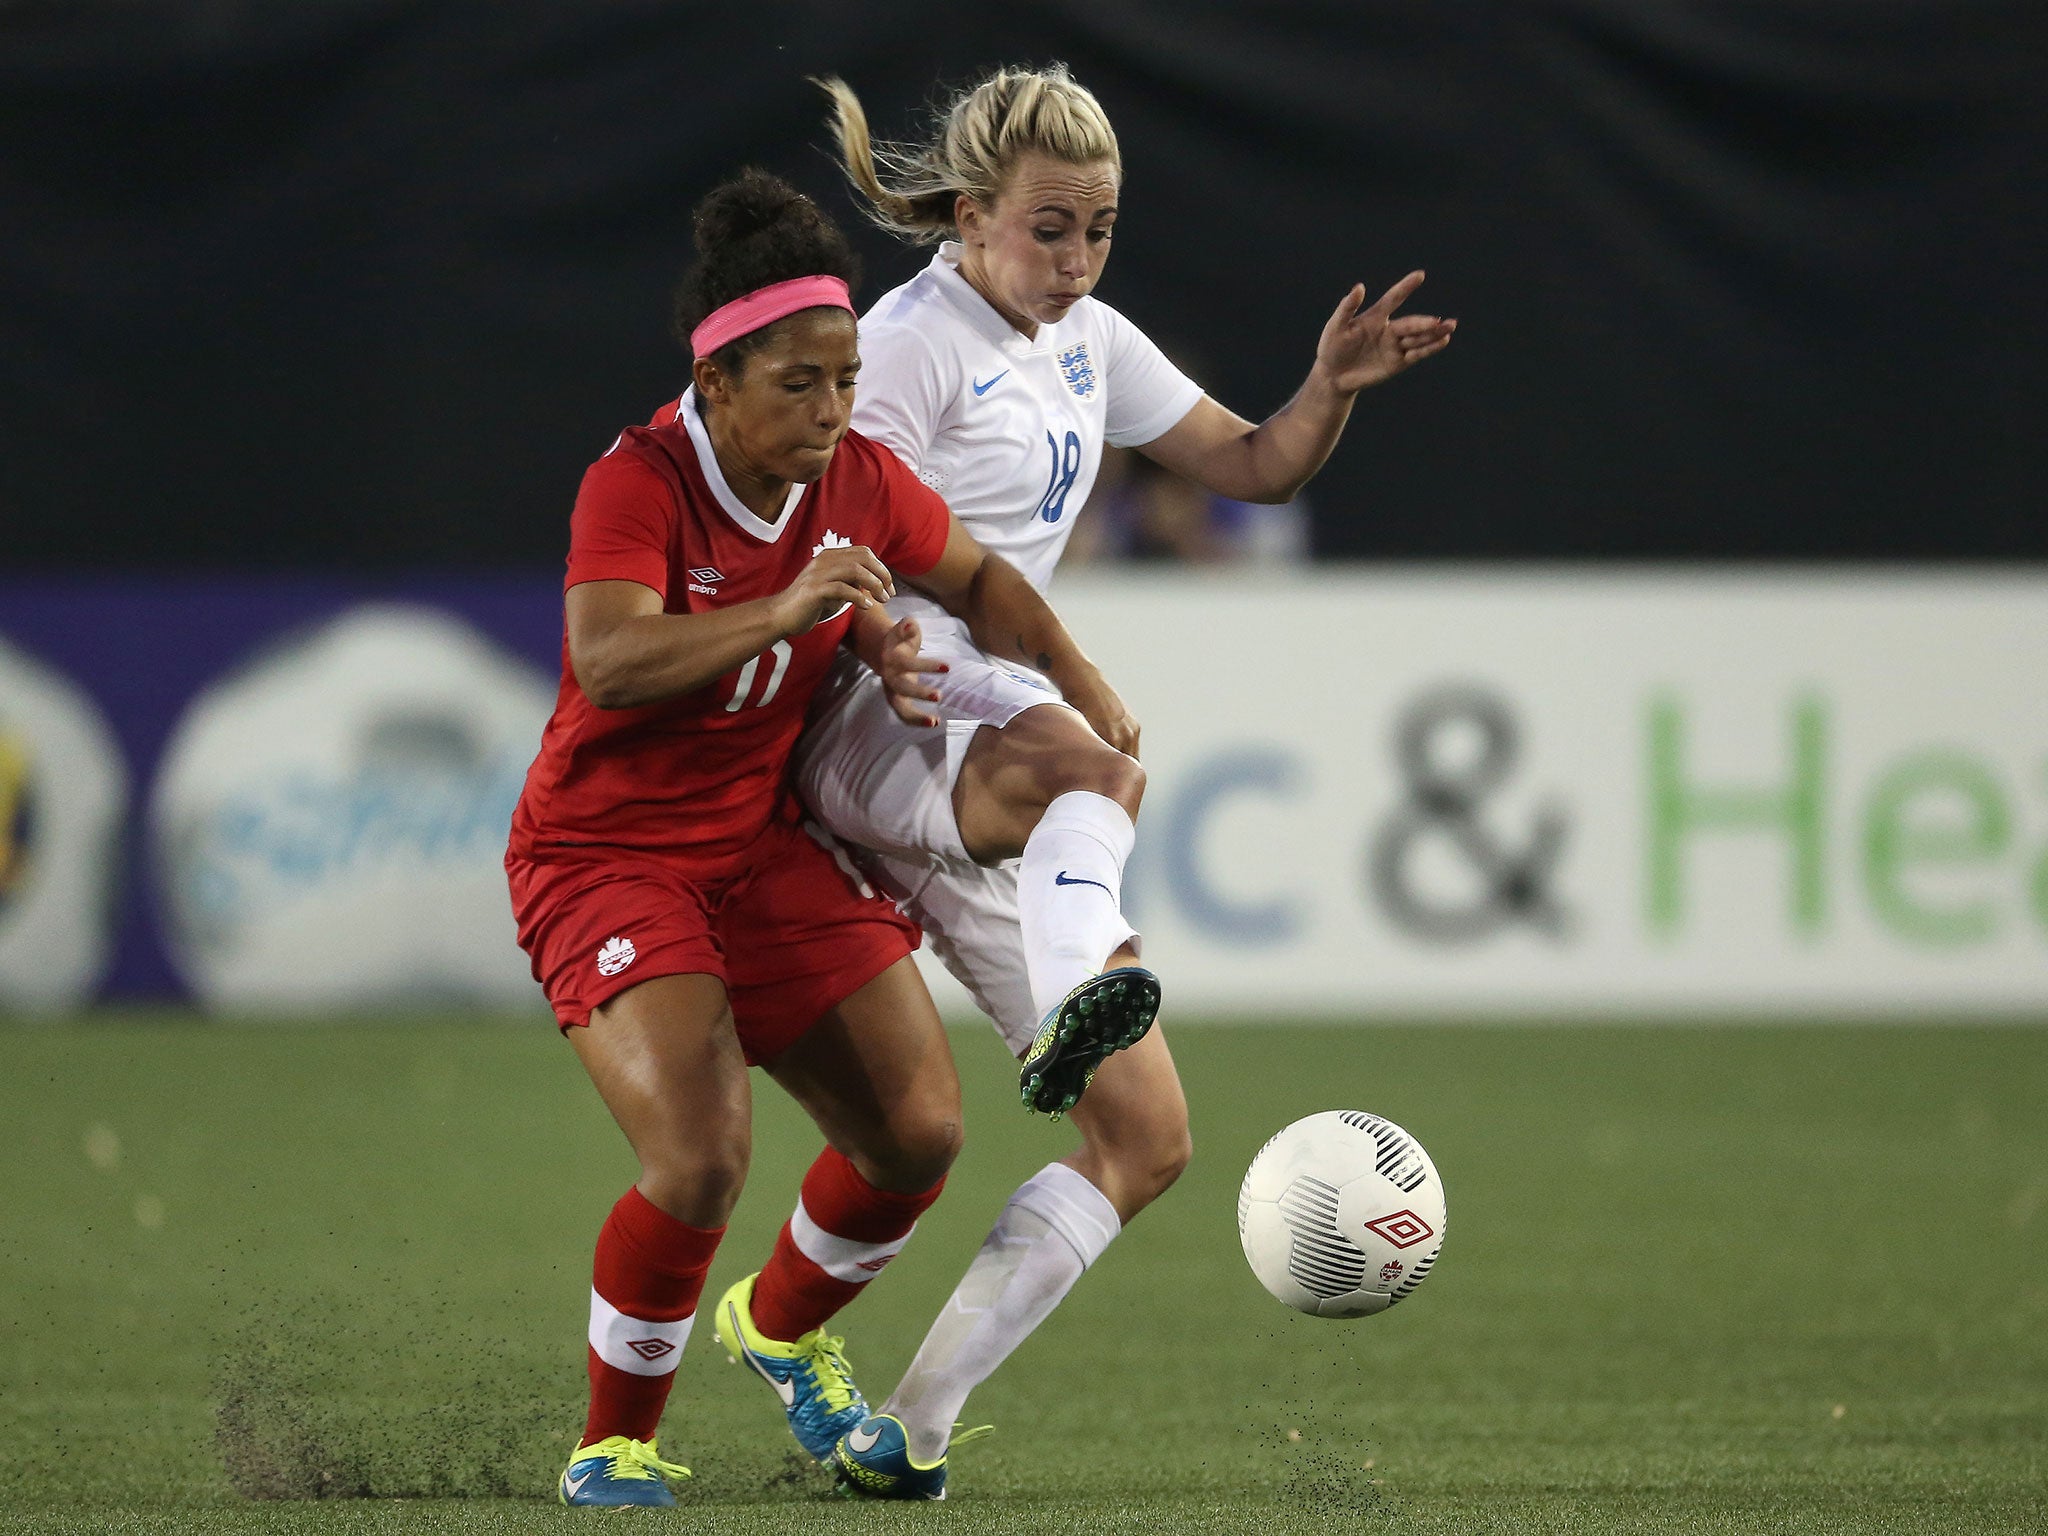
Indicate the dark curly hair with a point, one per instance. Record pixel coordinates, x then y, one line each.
755 230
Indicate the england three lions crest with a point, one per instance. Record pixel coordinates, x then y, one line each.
1078 369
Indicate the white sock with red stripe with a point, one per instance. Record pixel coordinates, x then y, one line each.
841 1235
649 1272
1070 893
1054 1227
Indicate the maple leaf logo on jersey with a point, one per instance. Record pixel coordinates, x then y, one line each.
832 541
615 956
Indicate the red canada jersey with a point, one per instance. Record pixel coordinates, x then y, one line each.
700 775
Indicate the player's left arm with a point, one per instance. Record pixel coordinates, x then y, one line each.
1009 617
893 651
1360 347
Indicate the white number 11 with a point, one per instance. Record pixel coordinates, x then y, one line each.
781 652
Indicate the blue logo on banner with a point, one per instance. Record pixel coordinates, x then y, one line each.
1209 902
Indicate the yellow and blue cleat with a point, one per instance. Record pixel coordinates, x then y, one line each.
618 1473
810 1375
872 1461
1105 1014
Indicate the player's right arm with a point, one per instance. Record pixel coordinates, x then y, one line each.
1008 617
624 650
627 653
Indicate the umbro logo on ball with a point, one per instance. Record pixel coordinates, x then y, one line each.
615 956
1404 1229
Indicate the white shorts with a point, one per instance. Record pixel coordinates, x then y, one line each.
886 789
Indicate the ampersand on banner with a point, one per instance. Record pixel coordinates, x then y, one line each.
1443 804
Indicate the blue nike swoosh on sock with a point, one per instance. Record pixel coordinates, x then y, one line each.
1063 878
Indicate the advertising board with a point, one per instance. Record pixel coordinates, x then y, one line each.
1572 791
1391 792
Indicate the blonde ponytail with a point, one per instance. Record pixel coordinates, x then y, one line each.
975 143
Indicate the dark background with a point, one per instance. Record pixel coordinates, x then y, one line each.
362 284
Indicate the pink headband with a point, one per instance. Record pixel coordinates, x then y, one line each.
764 306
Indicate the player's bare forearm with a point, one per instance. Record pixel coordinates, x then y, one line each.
867 634
627 653
1273 461
1270 463
643 658
1359 347
1010 618
1004 612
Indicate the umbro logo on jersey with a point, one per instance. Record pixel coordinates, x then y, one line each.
704 579
615 956
982 389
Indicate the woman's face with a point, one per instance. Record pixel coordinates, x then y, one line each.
782 418
1042 245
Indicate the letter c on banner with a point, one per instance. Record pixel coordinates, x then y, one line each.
1264 923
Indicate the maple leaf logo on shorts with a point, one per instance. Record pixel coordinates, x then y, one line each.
615 956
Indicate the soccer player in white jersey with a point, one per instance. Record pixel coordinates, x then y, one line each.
997 377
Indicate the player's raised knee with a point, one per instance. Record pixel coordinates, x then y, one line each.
915 1150
1148 1150
1161 1154
1090 764
696 1184
1122 777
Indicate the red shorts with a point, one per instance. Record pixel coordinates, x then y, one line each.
790 934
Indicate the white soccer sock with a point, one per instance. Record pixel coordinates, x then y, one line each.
1070 892
1052 1229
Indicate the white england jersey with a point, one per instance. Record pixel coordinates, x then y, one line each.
1007 428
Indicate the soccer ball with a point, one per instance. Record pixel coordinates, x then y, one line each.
1341 1214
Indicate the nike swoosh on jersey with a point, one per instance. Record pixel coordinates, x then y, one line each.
982 389
1063 878
862 1439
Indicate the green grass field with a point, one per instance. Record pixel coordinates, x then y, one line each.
1697 1279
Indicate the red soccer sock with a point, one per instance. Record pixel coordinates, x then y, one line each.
842 1232
644 1287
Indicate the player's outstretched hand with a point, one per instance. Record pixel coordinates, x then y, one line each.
907 676
833 579
1361 347
1104 711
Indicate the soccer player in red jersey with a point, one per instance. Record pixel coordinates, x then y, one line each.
682 920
